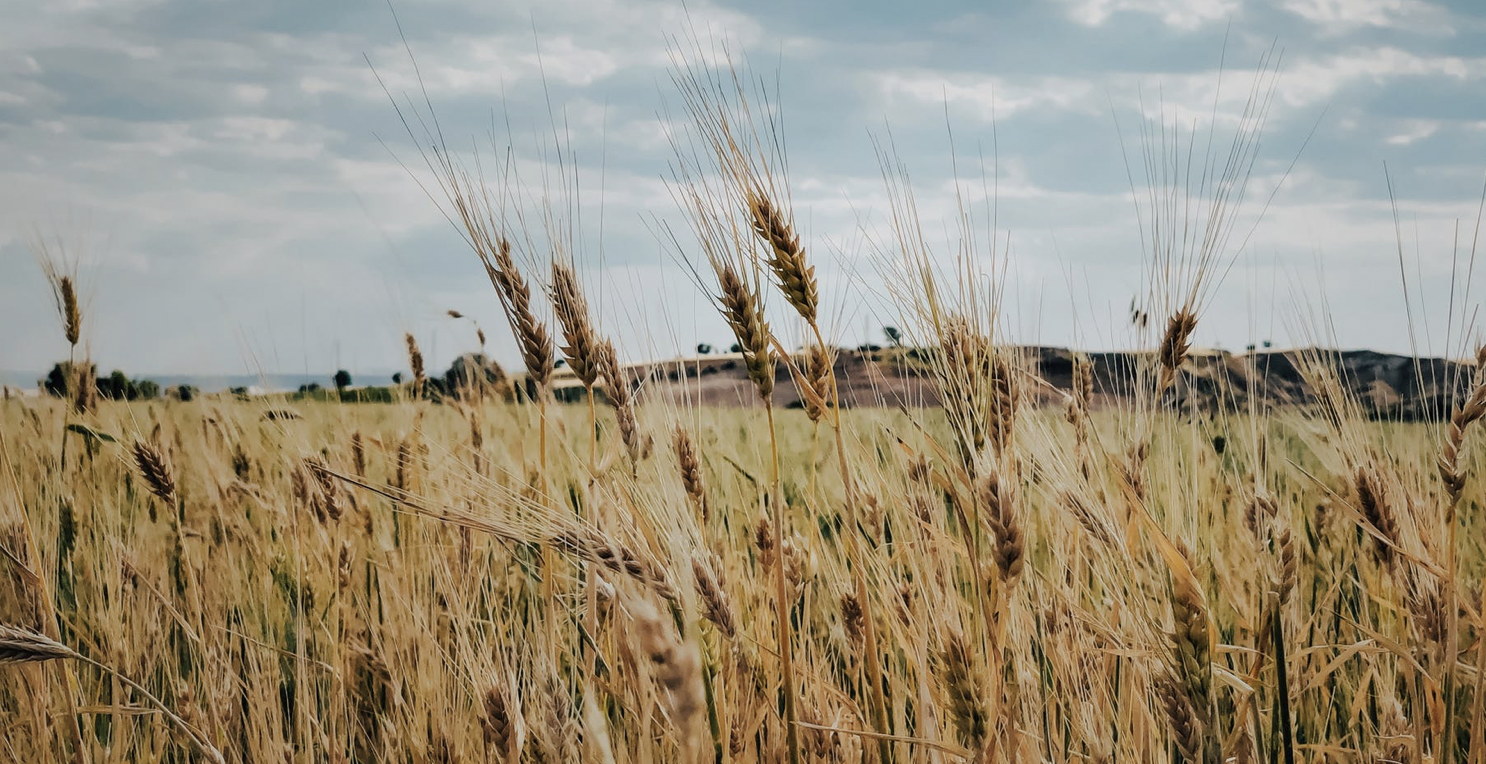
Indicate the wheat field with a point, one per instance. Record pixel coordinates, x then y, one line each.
1114 576
286 616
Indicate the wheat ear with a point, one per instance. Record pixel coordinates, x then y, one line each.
579 338
787 259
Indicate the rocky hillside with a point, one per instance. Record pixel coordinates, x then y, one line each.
1389 386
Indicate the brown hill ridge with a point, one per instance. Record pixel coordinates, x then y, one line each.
1388 386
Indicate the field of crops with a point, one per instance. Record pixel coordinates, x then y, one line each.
423 583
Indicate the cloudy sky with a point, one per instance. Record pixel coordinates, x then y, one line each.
230 172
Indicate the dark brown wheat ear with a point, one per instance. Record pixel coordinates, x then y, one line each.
499 730
415 361
1375 507
1176 344
155 469
60 269
72 315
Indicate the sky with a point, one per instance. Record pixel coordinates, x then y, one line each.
243 197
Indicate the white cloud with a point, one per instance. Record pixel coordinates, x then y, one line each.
143 52
485 64
1414 130
1178 14
251 95
1339 17
1185 98
575 43
1302 83
985 96
1317 79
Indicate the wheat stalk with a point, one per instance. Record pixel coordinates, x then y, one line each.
19 645
581 341
1373 502
741 309
964 690
25 646
637 444
531 334
691 472
1176 343
816 375
677 670
415 363
787 259
496 723
715 604
155 469
998 502
1467 412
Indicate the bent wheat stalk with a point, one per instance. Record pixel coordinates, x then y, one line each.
19 645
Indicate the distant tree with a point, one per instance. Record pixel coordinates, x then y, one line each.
472 377
704 349
559 363
342 379
241 393
1250 348
185 393
735 348
149 389
309 388
894 337
59 381
1268 344
396 377
116 386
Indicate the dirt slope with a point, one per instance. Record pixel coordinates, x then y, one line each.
1389 386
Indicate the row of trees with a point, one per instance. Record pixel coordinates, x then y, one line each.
116 386
470 377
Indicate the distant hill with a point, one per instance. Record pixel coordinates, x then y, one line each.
1389 386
